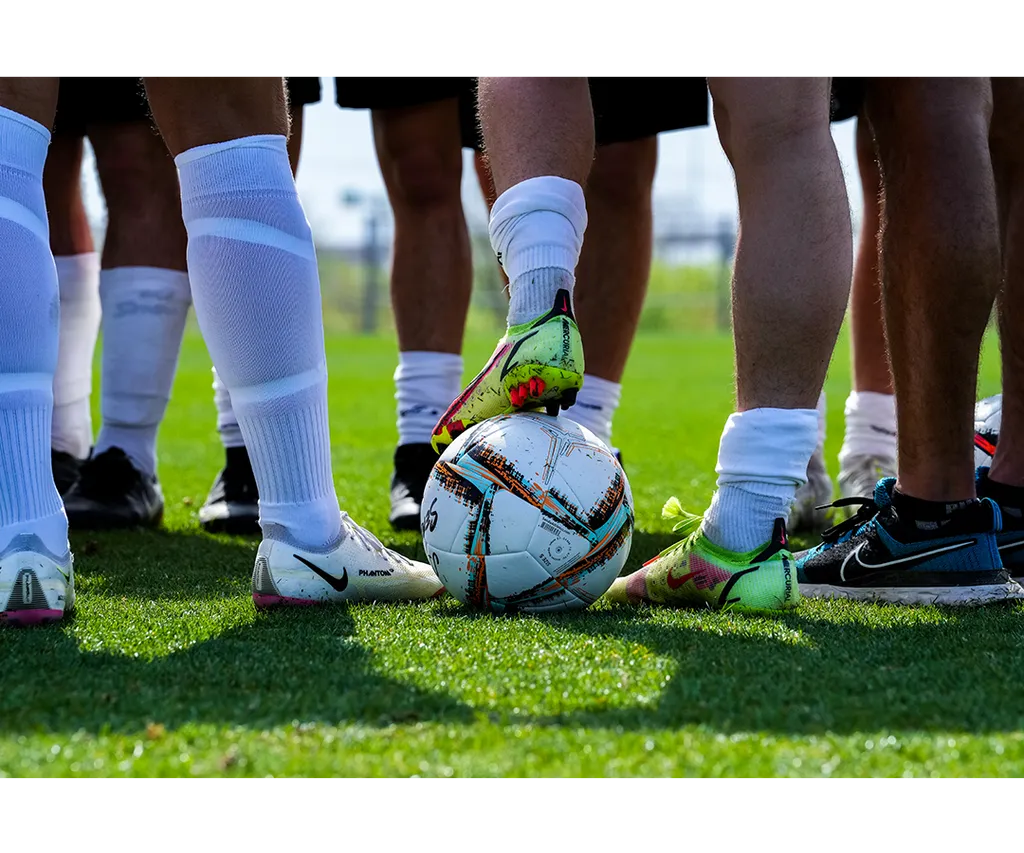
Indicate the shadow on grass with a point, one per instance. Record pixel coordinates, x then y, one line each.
304 665
837 667
803 673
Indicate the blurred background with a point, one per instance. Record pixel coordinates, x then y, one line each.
343 196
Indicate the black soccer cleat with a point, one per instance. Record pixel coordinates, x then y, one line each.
112 494
65 470
413 464
233 505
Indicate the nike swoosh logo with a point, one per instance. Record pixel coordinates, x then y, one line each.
1012 546
675 583
907 561
879 429
515 348
337 584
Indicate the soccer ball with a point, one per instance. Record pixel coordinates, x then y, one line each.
988 415
527 513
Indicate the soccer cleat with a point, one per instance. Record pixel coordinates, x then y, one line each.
358 568
536 364
1010 538
859 474
874 556
807 514
65 470
413 464
233 504
35 585
113 494
697 573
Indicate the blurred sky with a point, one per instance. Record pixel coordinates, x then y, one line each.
337 156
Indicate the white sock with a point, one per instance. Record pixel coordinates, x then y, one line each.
78 279
425 385
537 230
30 306
822 409
227 423
257 296
870 426
762 461
595 406
144 313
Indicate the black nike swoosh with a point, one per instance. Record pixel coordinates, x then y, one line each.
337 584
882 431
515 348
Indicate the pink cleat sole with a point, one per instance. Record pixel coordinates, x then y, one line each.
263 601
25 618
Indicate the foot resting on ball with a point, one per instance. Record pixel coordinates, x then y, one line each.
536 364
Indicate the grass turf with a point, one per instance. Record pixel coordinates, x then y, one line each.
166 668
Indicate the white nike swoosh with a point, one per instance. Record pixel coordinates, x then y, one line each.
855 553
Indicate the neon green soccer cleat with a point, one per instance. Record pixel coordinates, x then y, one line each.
536 365
697 573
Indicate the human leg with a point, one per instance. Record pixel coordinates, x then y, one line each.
793 261
145 294
869 444
420 156
232 504
78 281
1004 482
255 286
925 537
36 572
539 137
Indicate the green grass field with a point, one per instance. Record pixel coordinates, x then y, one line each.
166 668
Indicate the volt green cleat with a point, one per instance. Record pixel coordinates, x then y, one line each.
536 365
697 573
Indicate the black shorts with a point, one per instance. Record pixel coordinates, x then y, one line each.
302 90
847 97
381 93
108 100
82 100
625 108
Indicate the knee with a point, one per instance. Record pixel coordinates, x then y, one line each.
421 173
931 117
623 174
135 179
423 179
764 119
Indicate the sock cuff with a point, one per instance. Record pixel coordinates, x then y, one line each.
249 164
603 388
76 273
86 263
176 281
23 141
413 364
769 446
871 403
551 195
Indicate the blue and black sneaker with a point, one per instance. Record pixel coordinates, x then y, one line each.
876 556
1010 538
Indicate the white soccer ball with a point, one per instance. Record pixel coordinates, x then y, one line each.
988 415
527 513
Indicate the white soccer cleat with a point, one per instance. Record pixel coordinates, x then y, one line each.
858 475
35 585
358 568
805 517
